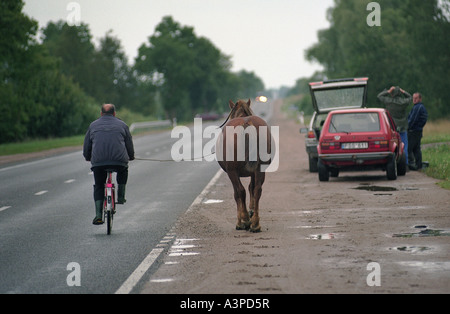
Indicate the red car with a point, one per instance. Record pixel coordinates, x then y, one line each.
360 139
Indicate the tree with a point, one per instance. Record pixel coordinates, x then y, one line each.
409 49
114 79
73 46
17 32
189 72
36 99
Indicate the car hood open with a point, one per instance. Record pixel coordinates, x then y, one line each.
339 94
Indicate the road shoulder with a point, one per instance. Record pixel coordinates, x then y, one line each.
317 237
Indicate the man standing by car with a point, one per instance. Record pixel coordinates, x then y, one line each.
397 101
108 145
416 121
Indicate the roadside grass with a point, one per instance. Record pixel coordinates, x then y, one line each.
38 145
438 156
33 146
436 132
439 160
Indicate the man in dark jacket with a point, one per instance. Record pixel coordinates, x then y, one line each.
108 145
416 121
397 101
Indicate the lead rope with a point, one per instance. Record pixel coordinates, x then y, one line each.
171 160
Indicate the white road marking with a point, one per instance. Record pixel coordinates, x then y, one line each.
40 192
136 276
129 284
162 280
69 181
4 208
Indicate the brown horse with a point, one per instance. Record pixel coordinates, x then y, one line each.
237 163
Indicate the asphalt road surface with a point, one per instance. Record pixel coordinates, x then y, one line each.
48 243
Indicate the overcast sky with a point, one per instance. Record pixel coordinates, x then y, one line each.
267 37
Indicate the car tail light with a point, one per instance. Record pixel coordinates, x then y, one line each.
311 134
331 146
379 144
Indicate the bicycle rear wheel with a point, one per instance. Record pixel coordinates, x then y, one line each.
110 212
109 221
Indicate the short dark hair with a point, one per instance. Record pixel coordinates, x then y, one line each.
108 109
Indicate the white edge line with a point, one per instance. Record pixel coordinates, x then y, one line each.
205 191
136 276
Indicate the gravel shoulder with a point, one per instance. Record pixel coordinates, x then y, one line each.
317 237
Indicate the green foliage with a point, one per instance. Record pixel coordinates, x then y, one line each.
190 73
56 88
439 160
36 99
409 49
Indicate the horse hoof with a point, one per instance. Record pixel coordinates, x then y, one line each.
255 230
243 226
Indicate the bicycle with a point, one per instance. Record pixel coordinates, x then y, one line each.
109 203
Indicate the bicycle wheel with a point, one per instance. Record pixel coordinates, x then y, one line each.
110 212
109 222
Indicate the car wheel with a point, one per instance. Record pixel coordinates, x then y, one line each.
334 172
324 173
401 166
391 169
312 164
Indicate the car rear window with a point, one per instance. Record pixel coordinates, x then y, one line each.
354 122
340 98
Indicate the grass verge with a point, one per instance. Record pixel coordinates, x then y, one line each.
33 146
439 159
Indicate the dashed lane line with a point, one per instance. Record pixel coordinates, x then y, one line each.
4 208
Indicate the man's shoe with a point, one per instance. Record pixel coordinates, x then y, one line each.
98 220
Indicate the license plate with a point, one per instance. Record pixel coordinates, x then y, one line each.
357 145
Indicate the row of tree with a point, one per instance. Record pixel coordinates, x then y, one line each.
54 86
409 49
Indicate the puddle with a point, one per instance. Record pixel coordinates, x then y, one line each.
376 188
411 249
428 266
323 236
424 233
309 227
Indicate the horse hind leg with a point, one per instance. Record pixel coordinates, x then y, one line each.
251 189
257 192
243 219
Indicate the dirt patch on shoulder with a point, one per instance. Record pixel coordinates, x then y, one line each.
317 237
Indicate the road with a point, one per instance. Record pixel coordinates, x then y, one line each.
46 212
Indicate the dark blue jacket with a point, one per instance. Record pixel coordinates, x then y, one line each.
417 117
108 142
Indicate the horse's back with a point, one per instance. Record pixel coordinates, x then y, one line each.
244 167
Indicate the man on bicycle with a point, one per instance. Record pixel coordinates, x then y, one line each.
108 145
